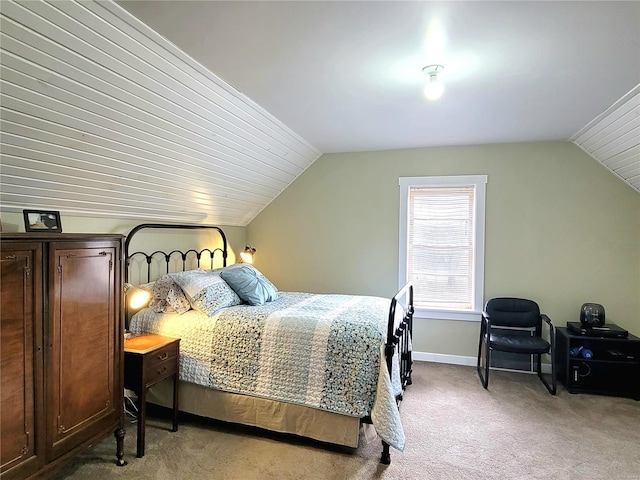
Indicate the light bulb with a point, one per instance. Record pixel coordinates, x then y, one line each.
139 298
246 257
434 88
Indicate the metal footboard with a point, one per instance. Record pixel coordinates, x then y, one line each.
399 332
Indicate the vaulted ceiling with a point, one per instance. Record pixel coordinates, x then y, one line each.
206 111
347 76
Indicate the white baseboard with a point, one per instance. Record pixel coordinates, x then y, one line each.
460 360
442 358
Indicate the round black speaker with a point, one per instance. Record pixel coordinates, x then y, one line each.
592 315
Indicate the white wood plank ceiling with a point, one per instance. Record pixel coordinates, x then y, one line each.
101 116
613 138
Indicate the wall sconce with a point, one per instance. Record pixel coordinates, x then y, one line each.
247 255
434 88
137 297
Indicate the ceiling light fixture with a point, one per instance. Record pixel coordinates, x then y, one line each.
434 88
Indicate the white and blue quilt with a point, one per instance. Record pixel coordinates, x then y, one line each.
321 351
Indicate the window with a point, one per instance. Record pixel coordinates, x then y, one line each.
442 244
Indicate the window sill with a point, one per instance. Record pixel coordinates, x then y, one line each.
465 316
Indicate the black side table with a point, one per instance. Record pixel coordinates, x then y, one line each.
614 368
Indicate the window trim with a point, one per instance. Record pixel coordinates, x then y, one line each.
480 183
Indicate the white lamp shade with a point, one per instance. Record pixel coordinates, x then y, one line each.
246 257
136 297
139 299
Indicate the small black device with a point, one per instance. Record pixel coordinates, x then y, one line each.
610 331
592 315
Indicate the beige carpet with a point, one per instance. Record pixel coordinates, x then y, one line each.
455 430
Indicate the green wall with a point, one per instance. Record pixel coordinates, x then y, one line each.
560 229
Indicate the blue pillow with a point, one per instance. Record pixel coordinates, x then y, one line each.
250 285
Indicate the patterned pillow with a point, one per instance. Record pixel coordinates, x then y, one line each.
250 285
168 297
147 286
206 290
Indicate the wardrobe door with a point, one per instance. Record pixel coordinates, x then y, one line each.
80 368
21 387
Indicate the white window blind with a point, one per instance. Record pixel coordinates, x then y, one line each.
442 242
440 246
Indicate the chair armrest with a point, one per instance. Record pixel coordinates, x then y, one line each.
485 324
552 331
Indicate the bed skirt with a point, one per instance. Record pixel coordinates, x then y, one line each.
259 412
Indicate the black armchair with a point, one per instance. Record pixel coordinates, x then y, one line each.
515 313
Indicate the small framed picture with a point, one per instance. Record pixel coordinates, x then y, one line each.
42 221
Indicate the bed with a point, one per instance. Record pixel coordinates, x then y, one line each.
315 365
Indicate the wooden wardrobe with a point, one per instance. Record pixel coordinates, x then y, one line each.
61 348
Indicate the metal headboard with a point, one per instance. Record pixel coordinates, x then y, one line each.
167 257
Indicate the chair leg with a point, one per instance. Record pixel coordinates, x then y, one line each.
487 362
551 388
487 359
553 371
479 352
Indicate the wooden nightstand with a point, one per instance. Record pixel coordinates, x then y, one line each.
147 360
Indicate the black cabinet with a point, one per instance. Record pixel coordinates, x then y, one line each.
612 369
